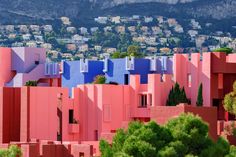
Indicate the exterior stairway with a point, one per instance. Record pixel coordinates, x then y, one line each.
21 78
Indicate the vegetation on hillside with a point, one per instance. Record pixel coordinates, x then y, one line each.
132 51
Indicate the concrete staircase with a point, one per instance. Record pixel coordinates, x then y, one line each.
21 78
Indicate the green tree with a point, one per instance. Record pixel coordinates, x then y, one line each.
99 79
105 148
53 41
123 54
232 152
177 96
192 132
224 49
119 55
171 98
199 96
230 101
115 55
134 51
186 135
12 151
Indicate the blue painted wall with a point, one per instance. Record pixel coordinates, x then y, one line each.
142 67
72 76
95 68
169 66
116 70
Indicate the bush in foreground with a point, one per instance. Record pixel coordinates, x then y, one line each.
12 151
185 136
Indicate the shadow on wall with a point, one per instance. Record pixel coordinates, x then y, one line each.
17 62
110 68
66 72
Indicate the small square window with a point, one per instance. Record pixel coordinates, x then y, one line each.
71 116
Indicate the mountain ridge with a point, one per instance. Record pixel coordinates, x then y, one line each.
76 9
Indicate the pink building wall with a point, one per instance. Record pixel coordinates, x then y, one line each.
52 149
215 71
19 65
5 68
23 58
191 73
9 114
102 109
39 113
162 114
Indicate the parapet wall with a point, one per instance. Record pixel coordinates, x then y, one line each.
162 114
46 148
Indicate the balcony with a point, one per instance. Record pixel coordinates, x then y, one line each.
73 128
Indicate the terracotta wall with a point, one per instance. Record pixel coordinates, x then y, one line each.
161 114
9 114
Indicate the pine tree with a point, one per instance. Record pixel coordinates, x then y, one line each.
171 98
176 96
199 97
183 96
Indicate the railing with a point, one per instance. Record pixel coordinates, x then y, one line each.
38 71
51 69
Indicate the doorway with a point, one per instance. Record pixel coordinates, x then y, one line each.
126 79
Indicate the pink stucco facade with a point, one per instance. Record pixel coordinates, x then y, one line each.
47 119
5 68
102 109
216 71
19 65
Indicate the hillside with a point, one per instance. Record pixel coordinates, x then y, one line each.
34 10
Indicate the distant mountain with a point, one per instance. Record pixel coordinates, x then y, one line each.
24 11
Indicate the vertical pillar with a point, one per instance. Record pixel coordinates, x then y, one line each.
24 127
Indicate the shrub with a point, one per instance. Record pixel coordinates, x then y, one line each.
31 83
230 101
186 135
12 151
99 79
224 49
